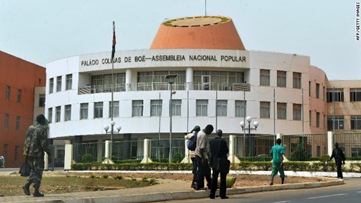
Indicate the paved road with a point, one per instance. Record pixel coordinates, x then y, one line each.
348 193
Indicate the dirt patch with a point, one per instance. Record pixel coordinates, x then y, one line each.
242 180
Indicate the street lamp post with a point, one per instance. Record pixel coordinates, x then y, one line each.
106 128
171 80
249 128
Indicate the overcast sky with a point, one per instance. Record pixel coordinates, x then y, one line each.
41 31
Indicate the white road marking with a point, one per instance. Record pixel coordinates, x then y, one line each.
327 196
282 202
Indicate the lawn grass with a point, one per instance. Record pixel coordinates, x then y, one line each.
12 185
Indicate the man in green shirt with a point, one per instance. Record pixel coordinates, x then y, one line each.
277 153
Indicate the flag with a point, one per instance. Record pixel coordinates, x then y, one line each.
114 41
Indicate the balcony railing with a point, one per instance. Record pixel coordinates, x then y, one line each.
156 86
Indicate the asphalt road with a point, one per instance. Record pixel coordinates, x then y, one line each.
350 192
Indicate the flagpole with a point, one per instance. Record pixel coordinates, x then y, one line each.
112 93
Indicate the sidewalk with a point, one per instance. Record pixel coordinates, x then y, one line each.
164 191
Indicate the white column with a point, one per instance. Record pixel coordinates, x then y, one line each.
128 79
232 157
329 142
186 158
108 158
189 78
46 161
146 158
68 157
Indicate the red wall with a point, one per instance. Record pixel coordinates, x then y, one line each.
18 74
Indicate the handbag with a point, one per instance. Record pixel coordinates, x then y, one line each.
25 169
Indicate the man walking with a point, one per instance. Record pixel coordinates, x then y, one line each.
218 162
202 149
339 157
192 154
36 143
277 152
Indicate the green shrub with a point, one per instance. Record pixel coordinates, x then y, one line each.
87 158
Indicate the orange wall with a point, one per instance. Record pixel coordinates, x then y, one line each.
18 74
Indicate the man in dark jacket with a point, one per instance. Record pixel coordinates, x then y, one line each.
218 162
36 144
339 157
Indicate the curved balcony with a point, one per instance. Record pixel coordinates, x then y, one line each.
156 86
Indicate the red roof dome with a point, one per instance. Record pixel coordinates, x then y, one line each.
200 32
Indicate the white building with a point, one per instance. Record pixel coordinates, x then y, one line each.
218 82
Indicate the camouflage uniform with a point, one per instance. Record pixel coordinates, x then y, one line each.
36 143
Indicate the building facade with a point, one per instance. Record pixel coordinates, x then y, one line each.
21 99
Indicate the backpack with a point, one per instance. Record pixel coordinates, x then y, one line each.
32 145
192 142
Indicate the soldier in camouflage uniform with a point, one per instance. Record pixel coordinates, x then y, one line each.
36 143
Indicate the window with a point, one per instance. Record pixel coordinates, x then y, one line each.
58 83
84 111
69 82
16 155
222 108
297 112
156 107
51 85
265 109
176 107
5 153
309 89
355 94
240 107
355 152
57 114
318 151
335 94
217 80
297 80
19 96
355 122
201 107
317 90
310 118
67 113
318 118
281 78
335 123
281 111
264 79
42 100
17 124
50 115
6 121
7 93
98 110
115 109
137 108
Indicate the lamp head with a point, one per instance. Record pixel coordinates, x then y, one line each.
241 124
112 123
256 124
119 128
171 78
249 119
106 128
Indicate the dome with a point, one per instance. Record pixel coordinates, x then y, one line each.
199 32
